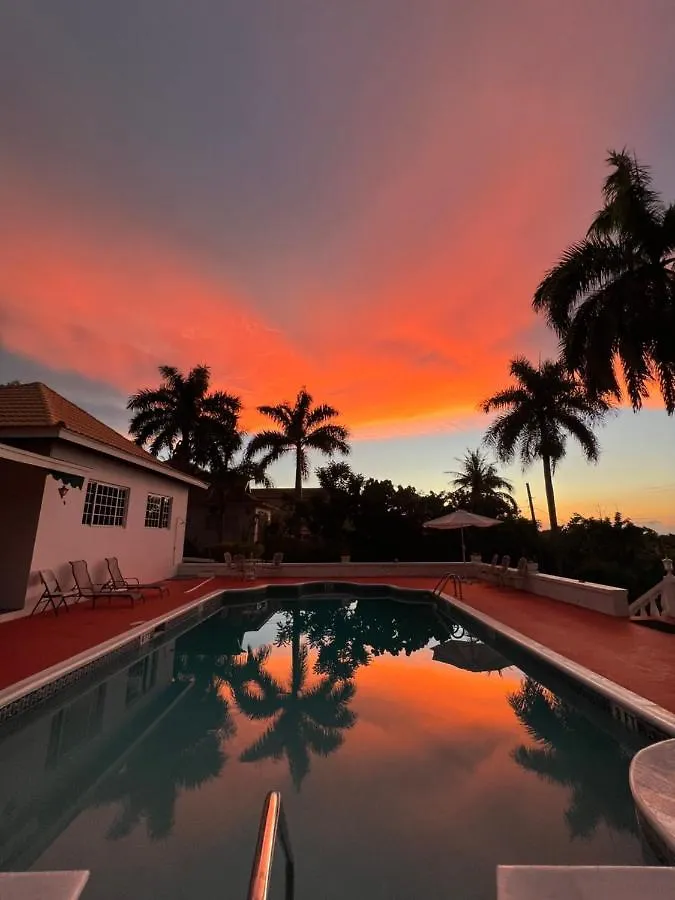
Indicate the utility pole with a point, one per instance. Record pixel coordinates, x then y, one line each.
529 497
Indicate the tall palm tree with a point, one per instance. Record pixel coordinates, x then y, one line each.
305 719
535 415
483 488
301 427
611 297
182 418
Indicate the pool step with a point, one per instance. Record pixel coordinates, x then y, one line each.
565 882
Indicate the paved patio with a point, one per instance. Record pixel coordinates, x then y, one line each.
638 658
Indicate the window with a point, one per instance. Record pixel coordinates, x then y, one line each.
141 677
105 504
158 511
76 725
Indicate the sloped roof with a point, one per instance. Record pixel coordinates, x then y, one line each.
35 405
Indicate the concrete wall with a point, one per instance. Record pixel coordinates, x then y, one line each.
21 491
145 553
602 598
331 570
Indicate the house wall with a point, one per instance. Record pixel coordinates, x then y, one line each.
148 554
21 492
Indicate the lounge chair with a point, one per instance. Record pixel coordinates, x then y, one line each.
87 588
53 594
119 582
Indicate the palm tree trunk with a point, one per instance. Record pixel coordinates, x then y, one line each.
295 655
550 496
298 473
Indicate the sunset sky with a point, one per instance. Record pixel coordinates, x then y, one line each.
357 196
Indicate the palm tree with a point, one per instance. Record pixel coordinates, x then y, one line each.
301 427
611 297
306 719
481 486
182 418
573 752
536 413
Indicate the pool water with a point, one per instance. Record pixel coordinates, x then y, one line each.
411 758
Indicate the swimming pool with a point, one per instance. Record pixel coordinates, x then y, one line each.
411 757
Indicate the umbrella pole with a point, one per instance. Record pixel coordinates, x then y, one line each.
463 547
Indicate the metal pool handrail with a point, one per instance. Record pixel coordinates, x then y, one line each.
456 581
272 824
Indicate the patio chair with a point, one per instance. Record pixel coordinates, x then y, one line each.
503 572
87 588
277 560
227 559
518 580
119 582
489 571
53 594
239 562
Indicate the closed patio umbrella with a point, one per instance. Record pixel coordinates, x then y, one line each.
462 518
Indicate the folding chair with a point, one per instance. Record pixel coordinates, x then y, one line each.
120 583
53 594
87 588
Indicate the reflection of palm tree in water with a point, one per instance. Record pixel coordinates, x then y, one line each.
578 755
348 636
306 719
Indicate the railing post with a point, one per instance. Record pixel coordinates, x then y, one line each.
272 824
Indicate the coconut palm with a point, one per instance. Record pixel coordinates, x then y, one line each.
611 297
305 719
301 428
537 413
573 752
481 487
182 418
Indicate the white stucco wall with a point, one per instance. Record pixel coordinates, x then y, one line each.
145 553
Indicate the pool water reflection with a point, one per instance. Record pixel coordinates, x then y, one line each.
411 760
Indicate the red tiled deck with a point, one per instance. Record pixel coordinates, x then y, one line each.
639 659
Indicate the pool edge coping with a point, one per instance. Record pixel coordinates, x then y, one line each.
645 709
19 689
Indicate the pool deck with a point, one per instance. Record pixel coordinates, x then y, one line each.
637 658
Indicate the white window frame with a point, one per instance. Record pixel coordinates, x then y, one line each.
98 491
160 516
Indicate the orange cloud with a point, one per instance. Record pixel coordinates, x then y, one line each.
405 313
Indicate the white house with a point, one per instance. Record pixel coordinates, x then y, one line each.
73 488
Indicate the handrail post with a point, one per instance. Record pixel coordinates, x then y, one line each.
272 823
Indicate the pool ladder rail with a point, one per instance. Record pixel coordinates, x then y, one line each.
273 825
457 582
